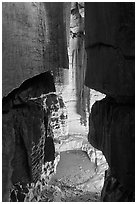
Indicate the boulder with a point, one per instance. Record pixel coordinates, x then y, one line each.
111 130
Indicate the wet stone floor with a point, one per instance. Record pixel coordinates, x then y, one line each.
77 179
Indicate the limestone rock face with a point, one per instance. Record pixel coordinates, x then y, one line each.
110 38
29 126
33 39
112 131
8 150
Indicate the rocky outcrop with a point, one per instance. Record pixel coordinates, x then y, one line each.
8 149
112 131
31 88
23 128
33 41
33 119
110 69
110 38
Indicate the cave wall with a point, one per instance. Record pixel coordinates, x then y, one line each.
34 119
33 41
24 132
110 46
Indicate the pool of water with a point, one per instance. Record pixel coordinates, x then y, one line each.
78 178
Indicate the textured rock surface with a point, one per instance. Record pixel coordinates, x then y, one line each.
33 41
8 149
110 38
32 124
77 178
78 59
112 131
116 190
110 43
